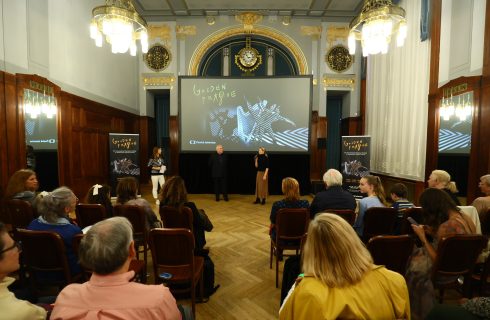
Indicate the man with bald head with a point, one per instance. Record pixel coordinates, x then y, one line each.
334 197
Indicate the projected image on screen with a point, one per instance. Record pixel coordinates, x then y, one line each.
41 133
243 114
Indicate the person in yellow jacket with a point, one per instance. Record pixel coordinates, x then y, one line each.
340 280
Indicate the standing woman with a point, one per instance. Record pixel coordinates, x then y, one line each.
157 169
22 185
262 179
375 198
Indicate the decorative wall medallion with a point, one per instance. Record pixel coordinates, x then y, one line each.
158 57
339 59
248 59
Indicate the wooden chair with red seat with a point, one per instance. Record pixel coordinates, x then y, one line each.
137 266
291 226
172 252
391 251
137 216
43 252
347 214
172 218
414 213
20 213
379 221
89 214
456 257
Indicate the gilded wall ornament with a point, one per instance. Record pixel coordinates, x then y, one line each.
158 57
339 59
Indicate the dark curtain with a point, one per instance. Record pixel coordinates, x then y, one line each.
162 116
334 117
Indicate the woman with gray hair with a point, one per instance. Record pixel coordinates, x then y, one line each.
482 204
340 280
53 208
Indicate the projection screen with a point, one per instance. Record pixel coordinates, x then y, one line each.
244 113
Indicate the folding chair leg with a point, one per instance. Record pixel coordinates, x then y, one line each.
277 268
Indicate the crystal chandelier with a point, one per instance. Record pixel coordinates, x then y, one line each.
377 22
36 104
461 107
121 25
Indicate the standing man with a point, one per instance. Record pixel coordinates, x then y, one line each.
218 164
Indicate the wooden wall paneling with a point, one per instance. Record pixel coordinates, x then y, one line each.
4 172
147 141
12 121
317 156
351 126
173 132
415 188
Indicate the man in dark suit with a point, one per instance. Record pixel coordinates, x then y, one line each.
334 197
218 164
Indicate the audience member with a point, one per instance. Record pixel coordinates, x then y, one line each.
398 194
108 249
482 204
127 193
371 185
440 179
334 197
10 306
290 189
340 280
473 309
53 208
157 166
174 194
22 185
441 217
100 194
261 161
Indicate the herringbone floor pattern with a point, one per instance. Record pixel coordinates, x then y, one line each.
239 246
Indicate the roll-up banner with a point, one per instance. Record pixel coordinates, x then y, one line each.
355 162
124 157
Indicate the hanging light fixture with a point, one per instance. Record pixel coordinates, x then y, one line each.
121 26
36 104
375 25
461 109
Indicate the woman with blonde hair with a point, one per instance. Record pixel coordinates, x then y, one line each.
440 179
290 189
372 186
22 185
340 280
158 167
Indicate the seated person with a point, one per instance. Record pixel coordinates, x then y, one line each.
108 249
440 179
10 306
127 193
473 309
174 194
398 194
290 189
334 197
371 185
100 194
22 185
340 280
482 204
53 208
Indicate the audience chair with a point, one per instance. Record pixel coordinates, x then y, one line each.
485 223
347 214
135 265
137 216
291 227
43 252
391 251
20 213
414 213
89 214
379 221
172 218
456 257
172 252
479 278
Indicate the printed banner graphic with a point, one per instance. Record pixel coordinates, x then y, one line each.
355 161
124 157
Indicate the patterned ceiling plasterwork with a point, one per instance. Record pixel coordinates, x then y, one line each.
335 33
208 42
314 31
161 32
183 31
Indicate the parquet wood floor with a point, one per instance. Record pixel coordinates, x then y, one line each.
239 247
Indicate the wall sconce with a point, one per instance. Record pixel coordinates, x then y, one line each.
286 20
210 20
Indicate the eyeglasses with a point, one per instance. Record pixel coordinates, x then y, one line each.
16 244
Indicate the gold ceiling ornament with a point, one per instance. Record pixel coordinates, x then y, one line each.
314 31
267 32
162 32
248 19
374 26
121 26
160 80
335 33
183 31
338 82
